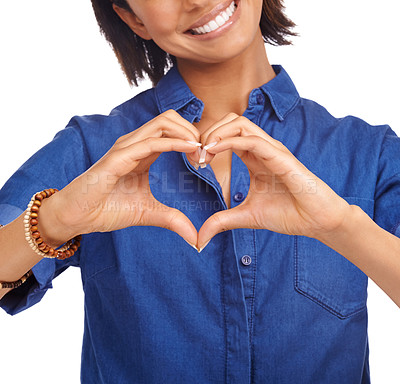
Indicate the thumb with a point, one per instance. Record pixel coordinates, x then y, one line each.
221 221
173 219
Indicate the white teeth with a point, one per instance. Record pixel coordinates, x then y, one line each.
219 21
213 25
225 16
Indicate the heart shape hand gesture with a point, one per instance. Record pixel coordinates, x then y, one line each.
284 196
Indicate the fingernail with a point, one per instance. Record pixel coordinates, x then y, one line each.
203 156
196 165
192 245
210 145
203 165
194 143
205 245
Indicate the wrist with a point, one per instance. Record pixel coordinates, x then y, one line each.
53 229
345 231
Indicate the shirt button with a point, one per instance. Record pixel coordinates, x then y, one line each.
260 99
246 260
238 196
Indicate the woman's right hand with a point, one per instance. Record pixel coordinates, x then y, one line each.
114 192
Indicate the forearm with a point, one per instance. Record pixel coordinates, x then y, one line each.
372 249
16 256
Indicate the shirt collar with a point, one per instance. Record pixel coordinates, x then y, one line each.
281 92
173 93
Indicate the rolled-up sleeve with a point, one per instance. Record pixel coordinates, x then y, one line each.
53 166
387 192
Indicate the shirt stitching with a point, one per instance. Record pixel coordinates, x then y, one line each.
252 351
223 300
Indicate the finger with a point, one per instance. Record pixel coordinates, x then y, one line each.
277 161
202 152
225 120
160 215
239 126
231 126
168 124
124 160
237 217
175 116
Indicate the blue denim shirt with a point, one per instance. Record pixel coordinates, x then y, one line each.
255 306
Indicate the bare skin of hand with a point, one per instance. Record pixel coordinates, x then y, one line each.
96 201
284 196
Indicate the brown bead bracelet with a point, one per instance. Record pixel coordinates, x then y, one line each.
16 284
33 237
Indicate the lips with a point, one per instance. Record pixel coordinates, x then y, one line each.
214 19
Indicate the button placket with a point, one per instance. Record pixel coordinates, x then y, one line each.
246 260
245 250
238 197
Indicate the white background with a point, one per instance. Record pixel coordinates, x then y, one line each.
55 65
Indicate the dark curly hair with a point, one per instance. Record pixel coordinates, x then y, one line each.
139 57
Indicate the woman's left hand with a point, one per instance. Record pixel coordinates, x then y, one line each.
284 196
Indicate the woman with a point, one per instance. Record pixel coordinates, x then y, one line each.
310 195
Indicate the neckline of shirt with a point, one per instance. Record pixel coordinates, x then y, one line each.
173 93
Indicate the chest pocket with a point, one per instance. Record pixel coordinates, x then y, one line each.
329 279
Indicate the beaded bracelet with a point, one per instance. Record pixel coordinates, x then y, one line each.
15 284
32 235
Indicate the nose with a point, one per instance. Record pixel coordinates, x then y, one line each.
189 5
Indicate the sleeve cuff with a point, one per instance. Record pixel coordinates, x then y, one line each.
32 291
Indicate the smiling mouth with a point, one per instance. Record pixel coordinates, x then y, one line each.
221 19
